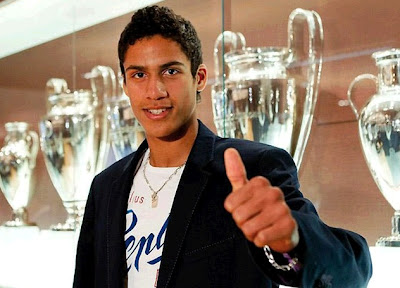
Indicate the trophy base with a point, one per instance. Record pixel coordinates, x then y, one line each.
73 223
18 223
75 211
394 239
65 227
19 219
390 241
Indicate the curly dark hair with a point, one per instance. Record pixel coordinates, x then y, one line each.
156 20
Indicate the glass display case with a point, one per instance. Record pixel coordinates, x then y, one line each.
333 172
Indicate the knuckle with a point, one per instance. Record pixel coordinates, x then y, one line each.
248 229
260 181
292 224
283 210
262 237
276 193
272 194
238 215
289 225
286 245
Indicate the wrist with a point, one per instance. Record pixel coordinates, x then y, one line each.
285 262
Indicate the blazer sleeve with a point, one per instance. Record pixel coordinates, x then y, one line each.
330 257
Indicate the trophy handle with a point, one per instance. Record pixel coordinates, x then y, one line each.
104 85
120 86
108 82
34 148
350 90
313 63
225 42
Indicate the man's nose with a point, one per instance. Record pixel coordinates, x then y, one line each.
156 88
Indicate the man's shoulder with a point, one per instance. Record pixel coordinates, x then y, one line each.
254 152
244 145
116 168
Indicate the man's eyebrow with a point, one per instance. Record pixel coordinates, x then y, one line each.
171 63
134 67
163 66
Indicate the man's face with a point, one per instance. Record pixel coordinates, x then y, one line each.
161 87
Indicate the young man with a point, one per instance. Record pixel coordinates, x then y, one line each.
190 209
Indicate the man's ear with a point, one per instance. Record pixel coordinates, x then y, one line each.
201 77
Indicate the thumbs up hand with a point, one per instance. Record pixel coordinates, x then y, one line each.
258 208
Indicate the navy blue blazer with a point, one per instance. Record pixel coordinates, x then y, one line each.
203 247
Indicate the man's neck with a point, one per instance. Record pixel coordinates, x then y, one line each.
171 153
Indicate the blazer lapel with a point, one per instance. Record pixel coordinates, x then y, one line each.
116 211
193 181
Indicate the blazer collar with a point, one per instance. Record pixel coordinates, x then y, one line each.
201 154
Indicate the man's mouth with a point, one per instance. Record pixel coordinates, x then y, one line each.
156 111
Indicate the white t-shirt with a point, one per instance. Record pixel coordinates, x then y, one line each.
146 226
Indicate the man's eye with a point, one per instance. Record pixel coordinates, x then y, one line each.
171 71
138 75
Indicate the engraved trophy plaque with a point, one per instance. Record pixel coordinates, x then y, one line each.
268 94
17 161
379 131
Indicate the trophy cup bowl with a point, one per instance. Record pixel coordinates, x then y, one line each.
261 94
262 108
17 161
379 131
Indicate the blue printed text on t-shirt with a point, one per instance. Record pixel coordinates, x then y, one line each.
149 244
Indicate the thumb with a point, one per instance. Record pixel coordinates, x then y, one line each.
235 170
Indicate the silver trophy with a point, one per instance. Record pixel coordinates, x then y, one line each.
124 131
69 142
76 135
379 131
268 94
17 161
